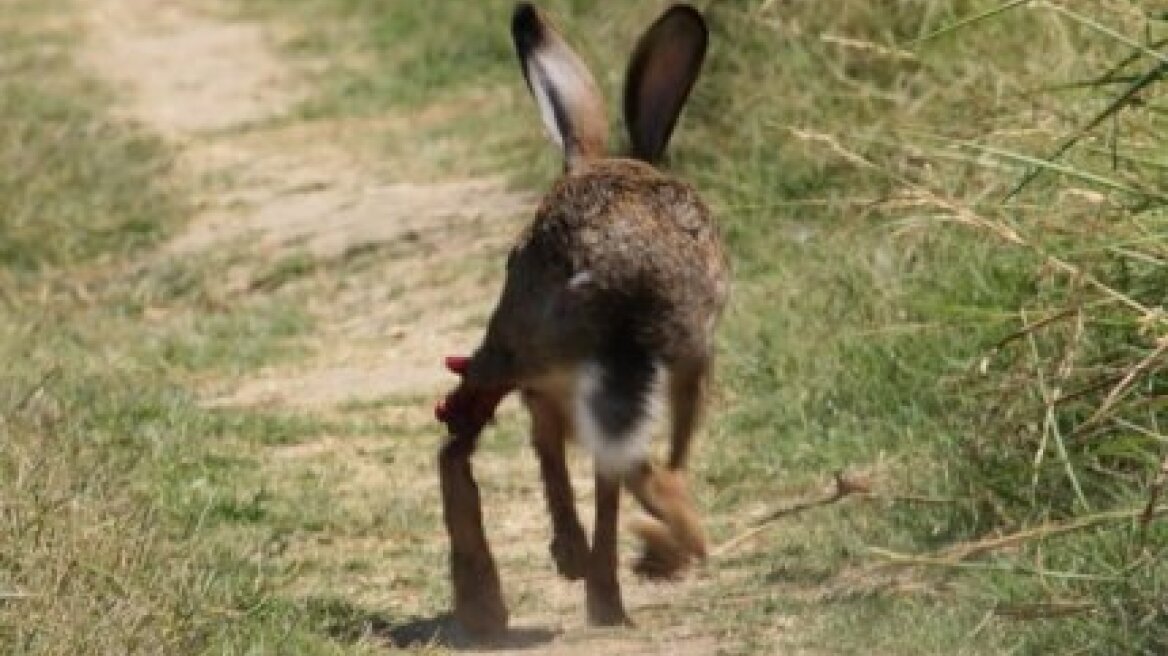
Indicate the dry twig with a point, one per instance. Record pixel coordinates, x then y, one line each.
953 555
1117 392
843 485
1154 492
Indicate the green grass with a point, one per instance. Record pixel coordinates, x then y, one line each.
46 120
114 482
884 318
859 156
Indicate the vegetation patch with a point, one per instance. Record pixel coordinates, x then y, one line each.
939 424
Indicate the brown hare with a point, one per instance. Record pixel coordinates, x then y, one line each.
608 311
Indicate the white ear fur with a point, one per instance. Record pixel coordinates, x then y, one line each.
552 78
569 103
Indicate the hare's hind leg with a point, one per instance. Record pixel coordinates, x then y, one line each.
478 599
612 412
687 387
673 535
549 429
605 607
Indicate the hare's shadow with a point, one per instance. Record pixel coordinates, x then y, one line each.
443 631
345 622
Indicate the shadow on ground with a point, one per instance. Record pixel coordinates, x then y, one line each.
346 622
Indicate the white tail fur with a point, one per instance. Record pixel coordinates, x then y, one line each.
616 455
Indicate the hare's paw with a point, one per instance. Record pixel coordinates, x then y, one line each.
571 553
478 599
664 556
605 607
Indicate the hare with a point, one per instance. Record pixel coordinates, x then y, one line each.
608 311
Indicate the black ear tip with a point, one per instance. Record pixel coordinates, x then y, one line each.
524 14
688 13
526 27
683 8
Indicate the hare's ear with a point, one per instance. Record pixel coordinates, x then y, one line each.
569 103
661 73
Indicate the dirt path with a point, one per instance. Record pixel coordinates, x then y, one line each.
271 188
216 89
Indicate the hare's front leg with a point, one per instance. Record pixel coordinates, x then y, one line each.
605 607
549 426
478 599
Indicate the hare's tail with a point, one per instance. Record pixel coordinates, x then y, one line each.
617 403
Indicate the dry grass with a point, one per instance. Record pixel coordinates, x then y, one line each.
949 238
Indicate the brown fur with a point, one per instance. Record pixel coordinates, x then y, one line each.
478 599
615 245
642 237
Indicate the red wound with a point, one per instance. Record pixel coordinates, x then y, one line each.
467 408
457 364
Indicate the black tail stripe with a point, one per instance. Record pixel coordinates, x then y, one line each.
621 401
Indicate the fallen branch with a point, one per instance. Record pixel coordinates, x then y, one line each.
952 556
896 558
844 485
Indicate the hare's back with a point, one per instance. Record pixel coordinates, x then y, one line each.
626 240
626 228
